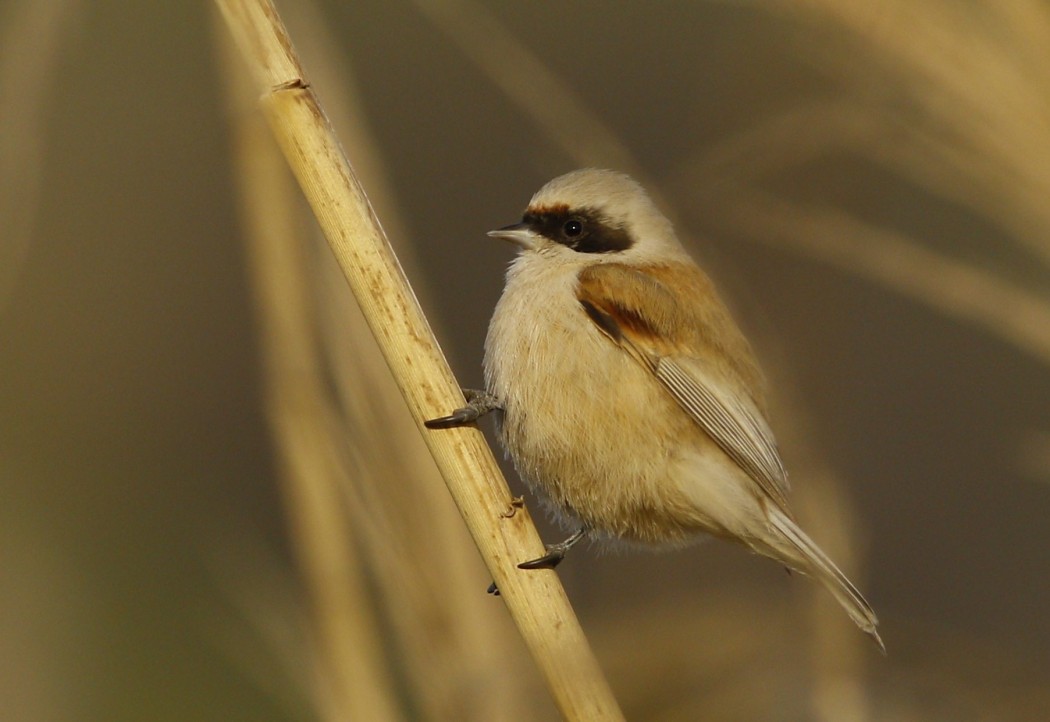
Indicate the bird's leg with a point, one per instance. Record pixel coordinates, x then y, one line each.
479 403
555 552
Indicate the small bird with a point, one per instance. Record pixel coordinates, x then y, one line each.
626 393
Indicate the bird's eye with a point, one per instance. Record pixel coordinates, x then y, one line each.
573 228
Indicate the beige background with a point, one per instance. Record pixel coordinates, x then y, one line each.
137 478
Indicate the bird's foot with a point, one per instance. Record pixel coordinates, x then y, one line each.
479 403
555 552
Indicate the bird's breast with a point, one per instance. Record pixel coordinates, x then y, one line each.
583 420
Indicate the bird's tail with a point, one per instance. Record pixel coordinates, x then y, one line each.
817 563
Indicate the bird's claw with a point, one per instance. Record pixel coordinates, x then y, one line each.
553 557
479 403
555 552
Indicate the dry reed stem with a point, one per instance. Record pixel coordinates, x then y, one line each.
977 77
897 262
677 680
527 81
976 135
503 532
839 692
458 651
351 671
331 67
29 53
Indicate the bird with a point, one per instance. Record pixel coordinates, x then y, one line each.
626 394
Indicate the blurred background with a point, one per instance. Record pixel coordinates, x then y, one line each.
213 506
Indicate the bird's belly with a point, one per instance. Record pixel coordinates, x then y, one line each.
589 426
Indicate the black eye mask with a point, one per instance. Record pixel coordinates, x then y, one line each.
584 230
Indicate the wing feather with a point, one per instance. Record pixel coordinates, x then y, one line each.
731 421
688 341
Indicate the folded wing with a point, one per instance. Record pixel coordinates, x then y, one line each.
692 347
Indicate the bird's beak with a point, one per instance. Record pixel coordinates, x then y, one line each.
519 234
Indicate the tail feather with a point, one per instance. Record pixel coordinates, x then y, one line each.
820 565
